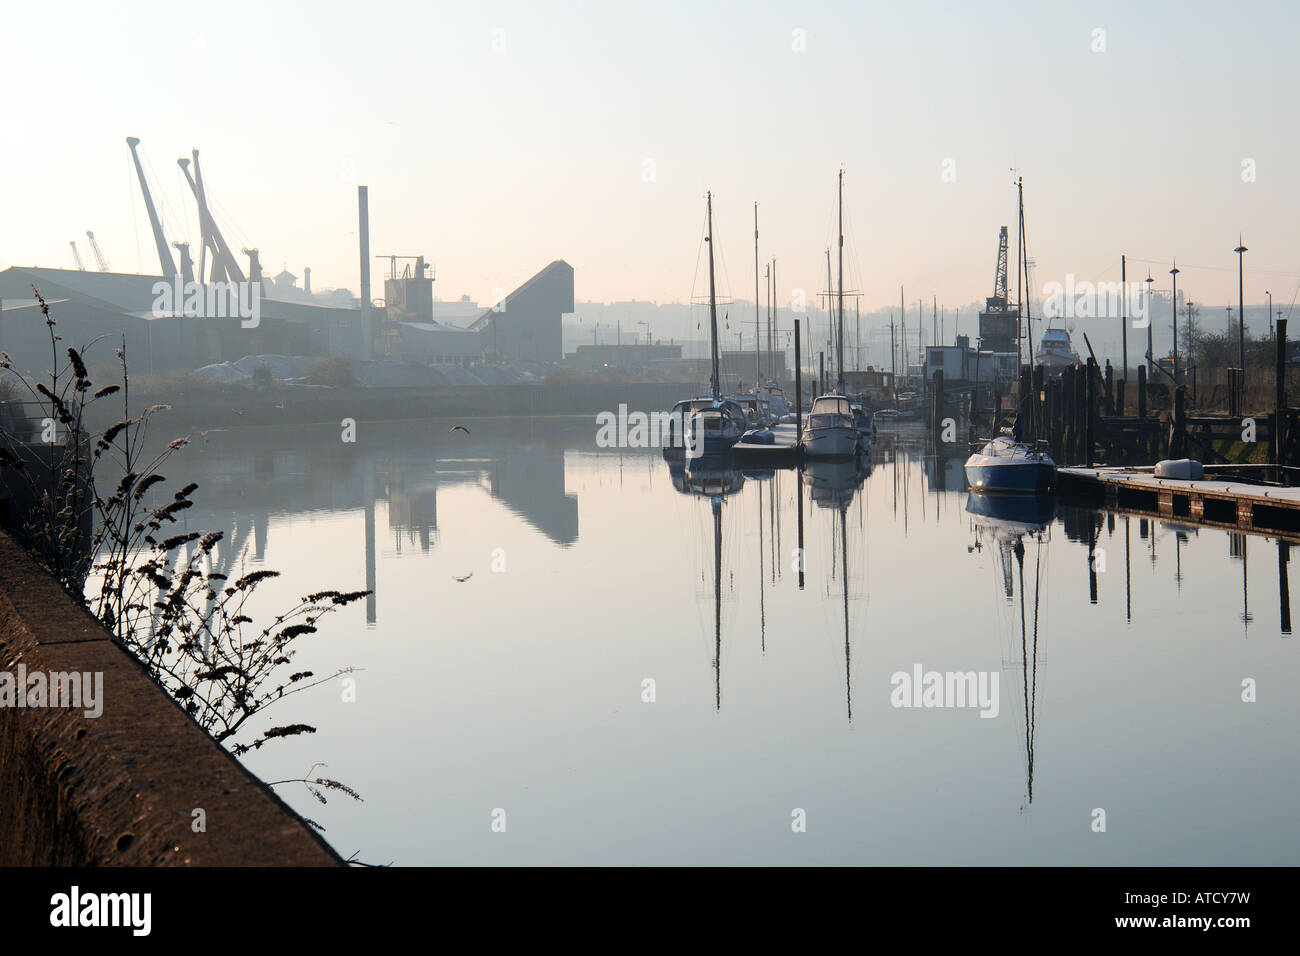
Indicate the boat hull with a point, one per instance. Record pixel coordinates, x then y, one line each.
836 441
1019 478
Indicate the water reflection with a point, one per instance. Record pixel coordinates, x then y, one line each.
1006 523
812 586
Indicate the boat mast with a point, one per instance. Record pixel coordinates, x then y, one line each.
758 361
830 310
839 386
1029 332
771 325
1020 241
714 386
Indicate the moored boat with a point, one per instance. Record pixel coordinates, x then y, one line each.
1007 466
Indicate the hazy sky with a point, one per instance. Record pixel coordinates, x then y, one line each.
496 137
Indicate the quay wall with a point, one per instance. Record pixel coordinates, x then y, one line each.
121 788
290 405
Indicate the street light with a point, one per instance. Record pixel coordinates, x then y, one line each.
1270 313
1174 303
1150 348
1241 303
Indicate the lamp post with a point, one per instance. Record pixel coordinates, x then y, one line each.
1150 347
1241 304
1270 313
1174 303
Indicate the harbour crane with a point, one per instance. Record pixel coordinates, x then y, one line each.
187 264
224 266
94 247
160 240
77 256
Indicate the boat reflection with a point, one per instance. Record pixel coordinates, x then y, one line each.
1008 523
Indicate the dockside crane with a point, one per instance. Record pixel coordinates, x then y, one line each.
224 266
1000 271
187 264
160 241
77 256
99 256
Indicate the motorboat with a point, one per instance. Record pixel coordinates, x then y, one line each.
831 430
1055 352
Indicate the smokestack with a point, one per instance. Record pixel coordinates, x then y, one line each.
306 279
363 231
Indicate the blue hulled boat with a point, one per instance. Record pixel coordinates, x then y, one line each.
1007 466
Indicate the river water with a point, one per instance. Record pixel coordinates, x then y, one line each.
632 671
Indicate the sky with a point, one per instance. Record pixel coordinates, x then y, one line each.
497 137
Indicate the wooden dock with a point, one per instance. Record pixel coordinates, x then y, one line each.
1230 502
784 449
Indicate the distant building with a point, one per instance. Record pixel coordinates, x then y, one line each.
526 323
963 365
88 305
631 357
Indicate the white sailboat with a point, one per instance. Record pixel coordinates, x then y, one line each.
711 424
831 430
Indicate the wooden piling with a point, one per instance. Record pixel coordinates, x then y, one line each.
1089 409
1279 395
1142 391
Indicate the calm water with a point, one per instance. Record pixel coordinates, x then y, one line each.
1120 645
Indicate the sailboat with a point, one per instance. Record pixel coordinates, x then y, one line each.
1006 465
710 424
831 430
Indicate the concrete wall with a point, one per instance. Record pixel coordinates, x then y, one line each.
242 406
121 788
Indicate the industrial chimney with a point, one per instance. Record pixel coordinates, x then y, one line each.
363 231
306 279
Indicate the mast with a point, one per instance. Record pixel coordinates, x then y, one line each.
1020 328
714 386
830 308
839 385
771 327
902 340
758 361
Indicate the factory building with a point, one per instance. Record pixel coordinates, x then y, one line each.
180 330
526 323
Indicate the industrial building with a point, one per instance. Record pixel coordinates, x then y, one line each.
168 336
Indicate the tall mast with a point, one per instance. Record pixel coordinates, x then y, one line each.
839 344
758 361
902 337
830 309
714 385
1020 259
771 327
758 348
1029 332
